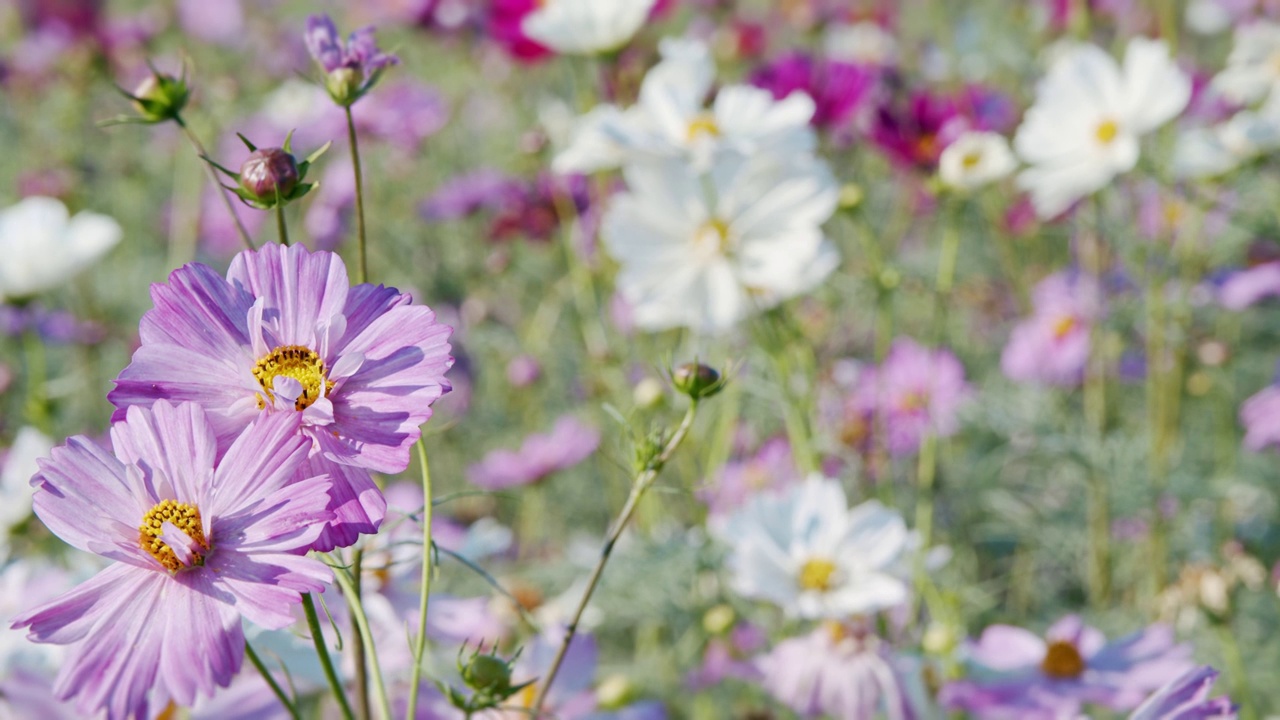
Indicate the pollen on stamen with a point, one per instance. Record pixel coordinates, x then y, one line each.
817 574
183 516
297 362
704 124
1107 131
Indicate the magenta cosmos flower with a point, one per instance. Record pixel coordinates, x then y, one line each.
569 443
285 331
198 541
916 392
1052 346
1021 675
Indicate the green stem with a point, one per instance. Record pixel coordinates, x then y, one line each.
1241 692
271 682
213 178
362 264
1095 412
326 663
641 483
37 379
420 643
362 622
281 227
357 646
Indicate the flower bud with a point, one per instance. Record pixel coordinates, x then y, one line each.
160 97
344 85
648 393
697 380
269 173
487 674
615 692
719 619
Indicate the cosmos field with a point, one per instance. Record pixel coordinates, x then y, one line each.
640 359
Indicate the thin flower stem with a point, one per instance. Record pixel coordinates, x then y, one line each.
1237 671
37 378
1095 415
326 663
362 258
642 483
362 622
358 649
213 178
281 227
271 682
420 643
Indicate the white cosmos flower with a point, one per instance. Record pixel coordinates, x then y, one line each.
1210 152
1253 68
812 555
1089 114
585 27
860 43
705 251
975 159
19 464
42 247
671 118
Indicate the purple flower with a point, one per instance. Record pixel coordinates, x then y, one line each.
523 371
916 392
285 331
1024 676
1186 697
1052 346
771 468
483 189
838 671
200 541
728 658
569 443
1260 415
1249 287
360 53
350 70
403 113
840 90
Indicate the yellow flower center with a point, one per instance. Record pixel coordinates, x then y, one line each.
712 240
817 574
297 362
1107 131
913 401
970 160
1062 661
703 124
184 517
1063 327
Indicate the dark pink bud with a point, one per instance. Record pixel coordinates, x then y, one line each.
268 171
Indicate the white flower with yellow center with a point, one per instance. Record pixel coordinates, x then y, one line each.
586 27
672 118
704 251
975 159
1210 152
42 246
812 555
1253 68
1089 114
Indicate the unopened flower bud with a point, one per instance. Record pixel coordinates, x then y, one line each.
269 173
851 196
648 393
614 692
697 380
487 674
160 97
719 619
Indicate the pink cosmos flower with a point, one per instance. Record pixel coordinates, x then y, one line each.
1052 346
286 332
916 392
1249 287
569 443
1028 677
836 671
771 468
199 542
1260 415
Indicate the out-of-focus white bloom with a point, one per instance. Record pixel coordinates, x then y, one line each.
809 553
864 43
672 119
1207 17
42 246
1088 117
585 27
705 251
975 159
1210 152
20 464
1253 68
